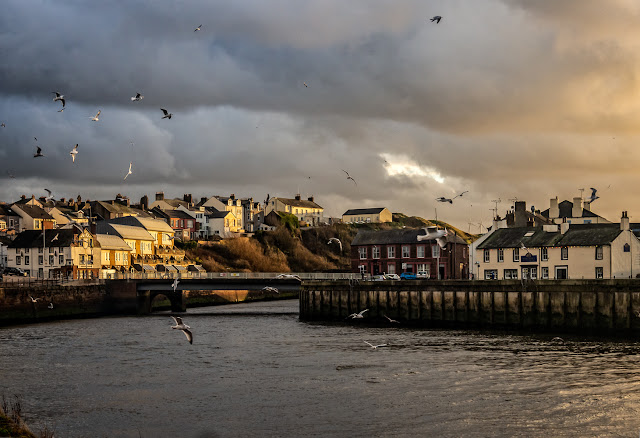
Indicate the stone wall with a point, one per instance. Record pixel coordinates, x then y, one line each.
596 306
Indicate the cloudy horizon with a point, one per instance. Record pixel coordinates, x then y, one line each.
508 99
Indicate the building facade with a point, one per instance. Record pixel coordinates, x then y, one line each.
367 215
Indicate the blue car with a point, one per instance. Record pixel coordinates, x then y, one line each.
408 276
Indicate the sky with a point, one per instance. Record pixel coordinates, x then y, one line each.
507 100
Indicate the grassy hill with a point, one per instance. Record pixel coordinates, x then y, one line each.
297 249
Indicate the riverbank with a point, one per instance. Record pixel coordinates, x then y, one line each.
11 423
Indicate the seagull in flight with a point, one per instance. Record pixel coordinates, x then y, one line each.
305 84
271 289
374 346
34 300
434 233
182 326
95 118
174 238
393 321
335 239
593 195
349 177
50 306
74 152
358 315
174 285
289 276
437 19
443 199
55 237
138 97
130 172
2 125
38 153
167 114
59 97
50 197
198 28
460 195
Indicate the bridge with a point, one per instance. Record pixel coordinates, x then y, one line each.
147 290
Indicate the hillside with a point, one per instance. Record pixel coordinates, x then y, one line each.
292 249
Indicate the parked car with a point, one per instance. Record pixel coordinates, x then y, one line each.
422 274
408 276
392 277
15 271
379 277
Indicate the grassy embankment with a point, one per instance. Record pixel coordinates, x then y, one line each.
294 249
11 424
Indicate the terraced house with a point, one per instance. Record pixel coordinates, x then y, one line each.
562 251
308 212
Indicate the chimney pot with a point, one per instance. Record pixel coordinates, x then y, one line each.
298 197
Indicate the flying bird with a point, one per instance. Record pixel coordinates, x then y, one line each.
50 197
443 199
437 19
174 285
55 237
74 152
38 153
431 233
271 289
295 277
349 177
2 125
335 239
50 306
174 238
182 326
34 300
198 28
305 84
374 346
524 247
593 195
167 114
95 118
138 97
358 315
61 109
457 196
130 172
393 321
58 97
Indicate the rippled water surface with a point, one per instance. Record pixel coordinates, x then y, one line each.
255 370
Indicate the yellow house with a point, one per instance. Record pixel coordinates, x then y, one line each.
115 254
367 215
307 211
564 251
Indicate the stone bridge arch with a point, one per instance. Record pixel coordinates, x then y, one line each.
145 299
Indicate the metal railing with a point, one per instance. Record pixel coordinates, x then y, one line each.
230 275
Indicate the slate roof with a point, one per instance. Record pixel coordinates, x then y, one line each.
177 214
298 202
33 238
111 241
5 210
35 212
215 214
144 222
566 210
393 237
124 231
354 211
576 235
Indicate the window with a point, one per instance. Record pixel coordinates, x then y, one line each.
118 256
107 256
435 251
375 252
490 274
598 252
545 273
50 250
27 261
18 260
564 253
81 259
405 251
533 272
61 259
26 250
500 255
363 252
391 268
391 252
39 250
599 272
510 274
516 254
420 252
545 255
51 260
363 269
627 247
562 272
486 256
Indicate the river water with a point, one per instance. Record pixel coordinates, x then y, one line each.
255 370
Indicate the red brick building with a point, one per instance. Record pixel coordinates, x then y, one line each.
397 251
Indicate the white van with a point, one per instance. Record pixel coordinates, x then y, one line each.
422 274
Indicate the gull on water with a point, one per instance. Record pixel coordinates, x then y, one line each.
38 153
271 289
130 172
374 346
95 118
349 177
137 98
182 326
358 315
167 114
437 19
73 152
335 239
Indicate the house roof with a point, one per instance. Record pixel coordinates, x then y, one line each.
145 222
5 210
565 209
52 238
576 235
392 237
35 212
298 202
124 231
177 214
363 211
215 214
111 241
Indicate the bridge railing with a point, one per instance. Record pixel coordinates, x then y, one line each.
231 275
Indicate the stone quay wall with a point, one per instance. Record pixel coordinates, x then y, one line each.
594 306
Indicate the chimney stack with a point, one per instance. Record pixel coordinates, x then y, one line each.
564 226
554 211
576 211
159 196
310 198
187 198
203 200
298 197
624 222
144 202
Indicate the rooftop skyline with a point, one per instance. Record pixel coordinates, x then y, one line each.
506 99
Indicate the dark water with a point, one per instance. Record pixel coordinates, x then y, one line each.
254 370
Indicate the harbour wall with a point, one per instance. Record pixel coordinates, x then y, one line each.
594 306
